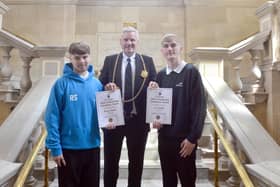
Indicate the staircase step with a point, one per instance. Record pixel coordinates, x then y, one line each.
151 152
7 171
152 170
223 172
146 183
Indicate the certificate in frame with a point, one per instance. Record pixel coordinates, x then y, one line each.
159 105
109 108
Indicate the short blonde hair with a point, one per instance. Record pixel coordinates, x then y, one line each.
169 37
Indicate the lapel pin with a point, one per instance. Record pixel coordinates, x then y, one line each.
144 74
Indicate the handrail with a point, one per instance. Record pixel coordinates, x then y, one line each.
29 162
216 156
233 157
46 171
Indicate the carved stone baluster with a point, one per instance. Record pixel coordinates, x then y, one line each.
223 160
244 160
31 180
256 60
26 150
6 69
234 179
236 83
25 82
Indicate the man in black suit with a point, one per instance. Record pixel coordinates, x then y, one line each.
131 73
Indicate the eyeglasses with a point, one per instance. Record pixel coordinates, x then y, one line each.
172 45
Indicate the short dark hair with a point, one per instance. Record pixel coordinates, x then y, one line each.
79 48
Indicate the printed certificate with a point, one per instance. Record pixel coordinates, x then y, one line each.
159 105
109 108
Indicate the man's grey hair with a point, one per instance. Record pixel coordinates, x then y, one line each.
131 29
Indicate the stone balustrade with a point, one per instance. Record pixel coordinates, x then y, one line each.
11 90
22 126
249 140
226 62
19 132
251 68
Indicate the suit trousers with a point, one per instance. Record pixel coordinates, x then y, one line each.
136 138
173 165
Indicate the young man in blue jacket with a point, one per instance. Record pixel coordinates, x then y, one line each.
71 121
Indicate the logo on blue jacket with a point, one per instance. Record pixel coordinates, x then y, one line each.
74 97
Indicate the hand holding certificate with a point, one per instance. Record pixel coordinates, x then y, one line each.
159 105
109 108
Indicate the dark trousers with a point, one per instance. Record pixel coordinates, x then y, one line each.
174 166
82 168
136 138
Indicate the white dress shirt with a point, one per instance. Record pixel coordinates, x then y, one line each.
178 69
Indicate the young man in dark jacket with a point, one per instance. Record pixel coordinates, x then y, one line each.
178 141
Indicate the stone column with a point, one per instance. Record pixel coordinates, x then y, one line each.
25 82
236 83
269 18
268 15
275 37
3 10
256 71
272 79
6 69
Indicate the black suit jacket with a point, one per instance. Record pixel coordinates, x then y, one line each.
106 76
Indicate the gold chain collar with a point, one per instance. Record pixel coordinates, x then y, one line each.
144 74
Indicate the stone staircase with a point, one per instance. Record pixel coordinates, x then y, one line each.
152 164
152 172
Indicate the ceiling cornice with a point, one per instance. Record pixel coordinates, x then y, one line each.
232 3
137 3
125 3
36 2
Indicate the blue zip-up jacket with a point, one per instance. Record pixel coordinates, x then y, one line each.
71 115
